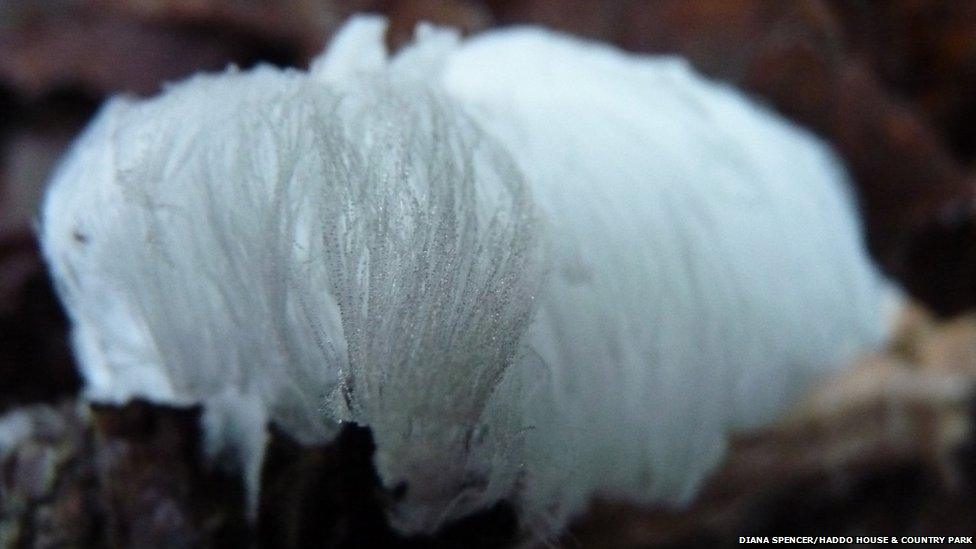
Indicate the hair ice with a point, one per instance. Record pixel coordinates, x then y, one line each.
538 268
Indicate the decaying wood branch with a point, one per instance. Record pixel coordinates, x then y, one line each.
886 448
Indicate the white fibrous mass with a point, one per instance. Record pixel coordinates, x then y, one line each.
539 269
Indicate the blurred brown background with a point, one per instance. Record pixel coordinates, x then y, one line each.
890 84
